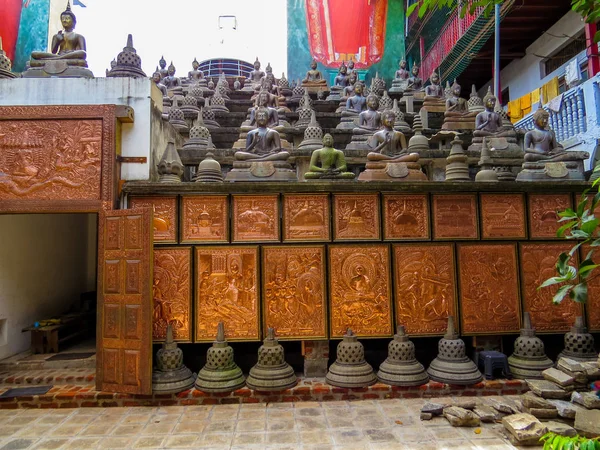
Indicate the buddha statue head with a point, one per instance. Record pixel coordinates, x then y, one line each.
388 118
262 117
162 63
257 64
456 89
343 69
171 69
328 140
358 88
313 64
352 78
540 118
373 101
402 64
434 78
195 64
67 18
156 76
490 100
415 70
262 99
351 65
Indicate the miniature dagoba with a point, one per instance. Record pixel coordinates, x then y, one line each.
452 366
369 122
199 138
189 106
297 92
385 102
434 100
545 158
163 67
170 375
220 373
339 83
415 83
457 168
177 118
284 86
313 136
400 124
304 112
475 104
487 172
253 81
328 163
389 159
271 372
128 63
314 81
401 367
196 76
350 370
529 359
208 115
263 158
170 168
418 143
400 81
5 64
217 102
209 170
113 64
457 115
68 56
377 85
579 344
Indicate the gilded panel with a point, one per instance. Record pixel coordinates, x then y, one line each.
405 217
359 296
592 306
503 216
204 219
425 287
294 291
543 213
255 218
489 291
455 216
356 217
306 217
227 291
538 263
165 216
172 293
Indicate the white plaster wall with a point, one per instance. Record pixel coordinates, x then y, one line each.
138 93
43 270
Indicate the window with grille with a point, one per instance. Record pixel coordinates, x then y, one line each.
565 54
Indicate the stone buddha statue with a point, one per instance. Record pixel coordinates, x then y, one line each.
457 115
342 77
171 81
354 105
68 53
163 67
262 143
314 80
158 82
262 101
400 81
434 100
349 89
402 73
369 121
254 77
328 163
195 75
415 83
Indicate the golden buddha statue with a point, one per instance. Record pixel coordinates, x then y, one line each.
457 115
314 80
328 163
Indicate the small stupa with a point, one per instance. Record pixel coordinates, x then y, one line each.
475 103
377 85
313 135
170 375
401 367
350 370
284 86
418 143
5 64
170 168
457 168
177 118
208 115
304 117
452 366
271 372
217 102
189 106
579 344
220 373
487 172
128 64
199 137
209 170
385 102
400 124
297 92
529 359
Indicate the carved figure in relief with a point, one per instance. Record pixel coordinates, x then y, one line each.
254 220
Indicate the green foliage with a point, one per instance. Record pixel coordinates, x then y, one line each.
553 441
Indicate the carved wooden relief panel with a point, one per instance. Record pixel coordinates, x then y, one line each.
294 291
425 287
227 291
543 213
592 306
165 216
356 217
405 217
489 291
455 216
204 219
306 217
538 263
359 286
255 218
172 293
503 216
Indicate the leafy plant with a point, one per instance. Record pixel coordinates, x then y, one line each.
553 441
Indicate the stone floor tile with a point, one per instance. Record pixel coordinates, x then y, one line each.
138 410
149 442
220 427
67 430
132 419
406 420
319 447
343 437
195 415
244 439
116 443
463 444
280 425
250 425
214 440
163 428
281 437
311 423
49 420
309 412
181 441
188 426
34 431
127 430
20 420
378 435
314 438
96 429
50 444
485 432
82 443
412 433
340 422
275 414
252 414
336 404
9 430
492 444
372 422
446 433
303 405
218 416
79 419
18 444
170 410
422 445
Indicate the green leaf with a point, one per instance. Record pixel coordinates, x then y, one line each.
595 243
567 213
561 264
561 293
574 249
552 281
590 225
579 293
586 267
411 9
596 40
567 226
579 234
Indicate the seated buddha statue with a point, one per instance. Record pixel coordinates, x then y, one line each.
400 81
457 115
195 75
402 73
434 100
389 144
262 143
158 82
354 105
342 77
415 83
314 81
328 163
348 91
369 121
263 101
488 123
171 81
254 77
163 67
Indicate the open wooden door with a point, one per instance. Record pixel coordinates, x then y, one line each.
124 330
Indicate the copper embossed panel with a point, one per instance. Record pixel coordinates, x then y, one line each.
227 290
356 217
543 213
359 284
489 292
306 217
165 216
503 216
405 217
294 291
455 216
538 263
172 293
255 218
425 289
592 306
205 219
50 159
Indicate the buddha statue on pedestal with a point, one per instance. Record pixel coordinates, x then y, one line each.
457 115
400 81
163 67
171 81
196 76
354 105
314 80
369 122
254 77
68 53
328 163
262 101
415 83
339 83
158 82
434 100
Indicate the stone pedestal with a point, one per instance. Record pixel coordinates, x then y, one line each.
529 359
261 171
392 171
401 368
59 68
554 171
170 375
579 344
271 373
350 370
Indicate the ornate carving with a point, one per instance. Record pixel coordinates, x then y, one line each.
405 217
543 217
294 291
172 293
360 290
356 217
592 306
255 218
489 299
503 216
306 218
205 219
538 263
455 216
425 287
227 291
164 219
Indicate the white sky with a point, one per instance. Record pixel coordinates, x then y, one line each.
181 30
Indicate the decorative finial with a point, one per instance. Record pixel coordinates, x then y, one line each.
220 332
195 60
169 333
450 332
171 66
349 332
313 119
68 8
401 331
129 41
271 334
200 120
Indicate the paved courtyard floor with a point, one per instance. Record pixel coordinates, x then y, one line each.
366 424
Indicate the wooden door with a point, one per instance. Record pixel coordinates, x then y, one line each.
124 331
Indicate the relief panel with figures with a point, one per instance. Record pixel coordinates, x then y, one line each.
204 219
405 217
306 217
503 216
455 216
255 218
356 217
543 213
164 219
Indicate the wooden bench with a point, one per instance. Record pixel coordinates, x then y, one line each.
46 339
